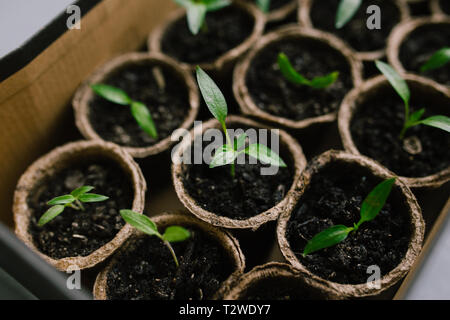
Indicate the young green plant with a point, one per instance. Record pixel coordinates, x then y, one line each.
138 110
293 76
263 5
346 10
196 11
73 200
439 59
228 152
146 225
370 208
402 89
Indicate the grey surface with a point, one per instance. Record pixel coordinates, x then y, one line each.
10 289
433 278
21 19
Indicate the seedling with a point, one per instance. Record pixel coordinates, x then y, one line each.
413 119
73 200
437 60
263 5
196 11
293 76
139 110
146 225
228 153
346 10
370 208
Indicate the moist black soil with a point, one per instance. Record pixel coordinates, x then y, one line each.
421 8
445 6
275 4
248 194
420 45
147 270
274 94
279 289
375 130
224 30
167 101
334 196
75 232
355 32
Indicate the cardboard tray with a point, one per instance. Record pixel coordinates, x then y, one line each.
36 116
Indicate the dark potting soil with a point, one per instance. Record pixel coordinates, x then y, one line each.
375 130
76 232
355 32
420 45
225 29
275 4
147 270
421 8
248 194
279 289
334 196
274 94
167 101
445 6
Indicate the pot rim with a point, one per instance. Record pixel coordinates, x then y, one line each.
84 95
282 12
155 38
240 89
229 243
276 269
305 20
44 166
289 144
417 226
436 9
348 107
402 31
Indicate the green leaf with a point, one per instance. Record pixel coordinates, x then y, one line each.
397 82
375 201
61 200
81 190
239 142
196 13
263 5
176 234
293 76
140 222
214 98
441 122
415 116
144 119
327 238
264 154
439 59
345 12
50 214
223 156
92 197
111 94
214 5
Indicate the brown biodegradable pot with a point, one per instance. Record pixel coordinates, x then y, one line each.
226 61
225 239
304 19
417 226
85 94
281 13
403 31
241 91
59 159
287 144
369 90
279 278
436 8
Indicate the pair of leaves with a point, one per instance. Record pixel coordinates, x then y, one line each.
402 89
370 208
346 10
60 203
437 60
196 11
293 76
139 110
147 226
